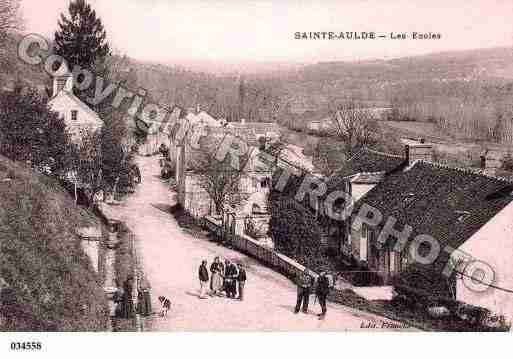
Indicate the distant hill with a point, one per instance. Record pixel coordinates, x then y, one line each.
313 87
377 82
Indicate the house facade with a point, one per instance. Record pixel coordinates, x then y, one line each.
77 115
453 213
493 245
254 184
359 175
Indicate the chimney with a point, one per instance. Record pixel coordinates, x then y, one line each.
417 150
198 108
490 163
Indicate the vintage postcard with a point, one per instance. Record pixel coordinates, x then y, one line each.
255 166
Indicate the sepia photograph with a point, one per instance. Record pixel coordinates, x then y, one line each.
252 166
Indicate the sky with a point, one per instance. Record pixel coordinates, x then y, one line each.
237 31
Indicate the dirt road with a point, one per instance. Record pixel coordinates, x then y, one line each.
171 258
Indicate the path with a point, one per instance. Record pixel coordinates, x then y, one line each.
171 258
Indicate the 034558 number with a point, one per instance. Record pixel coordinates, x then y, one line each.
26 346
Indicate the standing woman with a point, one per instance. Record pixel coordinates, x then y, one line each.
217 270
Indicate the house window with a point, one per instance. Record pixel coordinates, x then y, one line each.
74 115
264 183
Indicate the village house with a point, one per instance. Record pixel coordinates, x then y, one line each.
77 115
362 172
158 133
254 183
465 211
469 212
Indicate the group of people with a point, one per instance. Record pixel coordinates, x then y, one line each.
125 307
223 279
306 284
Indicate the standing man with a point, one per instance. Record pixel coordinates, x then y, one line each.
322 290
304 287
242 281
203 277
231 275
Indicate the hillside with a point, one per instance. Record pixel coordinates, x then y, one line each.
50 281
13 69
381 82
467 93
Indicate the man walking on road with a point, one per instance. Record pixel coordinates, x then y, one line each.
242 281
203 277
322 290
304 287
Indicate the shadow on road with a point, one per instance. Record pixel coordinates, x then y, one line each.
192 294
291 308
166 208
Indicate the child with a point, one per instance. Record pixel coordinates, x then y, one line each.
166 305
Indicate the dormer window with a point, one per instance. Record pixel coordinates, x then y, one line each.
74 115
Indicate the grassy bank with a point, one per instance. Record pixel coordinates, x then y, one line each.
50 282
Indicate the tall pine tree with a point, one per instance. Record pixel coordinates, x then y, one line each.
81 38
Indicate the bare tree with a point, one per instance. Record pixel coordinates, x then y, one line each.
356 127
219 179
10 17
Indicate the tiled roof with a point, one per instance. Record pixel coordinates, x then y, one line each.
446 203
368 161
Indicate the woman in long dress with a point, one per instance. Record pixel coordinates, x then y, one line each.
217 270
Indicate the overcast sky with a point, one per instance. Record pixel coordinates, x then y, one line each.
237 30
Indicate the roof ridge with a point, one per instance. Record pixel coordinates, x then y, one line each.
383 153
465 170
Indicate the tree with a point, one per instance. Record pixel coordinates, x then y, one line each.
29 131
114 151
10 18
81 39
219 179
356 127
87 163
10 21
295 231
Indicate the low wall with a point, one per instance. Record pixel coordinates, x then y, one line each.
254 248
270 257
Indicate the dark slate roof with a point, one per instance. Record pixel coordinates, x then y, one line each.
368 161
447 203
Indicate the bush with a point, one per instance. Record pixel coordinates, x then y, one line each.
29 131
423 286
